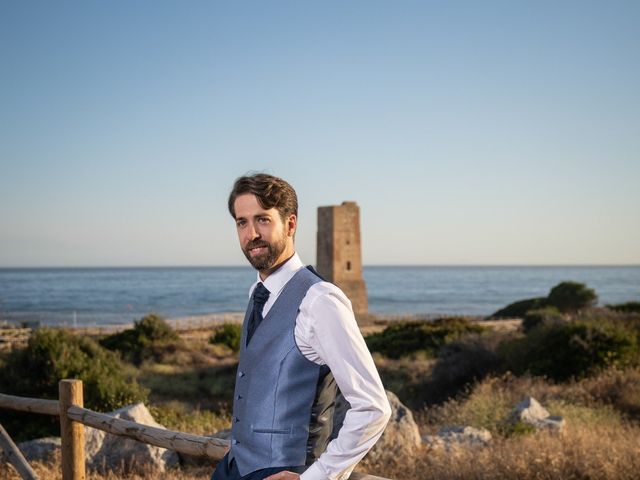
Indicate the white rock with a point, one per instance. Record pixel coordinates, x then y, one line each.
41 449
530 411
554 423
105 451
450 438
469 435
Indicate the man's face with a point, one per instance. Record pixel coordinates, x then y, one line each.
264 238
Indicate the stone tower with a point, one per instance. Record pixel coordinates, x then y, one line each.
339 256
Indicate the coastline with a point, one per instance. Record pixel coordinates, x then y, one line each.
208 320
14 334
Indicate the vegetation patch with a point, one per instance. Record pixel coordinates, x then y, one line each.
208 387
571 297
55 354
180 417
228 334
520 308
541 316
566 297
140 343
628 307
460 364
408 338
572 349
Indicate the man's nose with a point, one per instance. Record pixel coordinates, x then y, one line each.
253 232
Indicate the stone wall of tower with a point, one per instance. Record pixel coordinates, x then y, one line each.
339 253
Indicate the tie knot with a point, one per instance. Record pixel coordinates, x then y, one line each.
260 294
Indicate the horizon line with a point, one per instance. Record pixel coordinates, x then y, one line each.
379 265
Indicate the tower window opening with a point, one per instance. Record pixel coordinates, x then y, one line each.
348 266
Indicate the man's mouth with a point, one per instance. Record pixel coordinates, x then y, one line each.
254 251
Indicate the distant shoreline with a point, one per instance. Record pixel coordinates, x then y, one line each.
245 267
193 322
178 323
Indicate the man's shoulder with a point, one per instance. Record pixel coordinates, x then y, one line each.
326 291
321 291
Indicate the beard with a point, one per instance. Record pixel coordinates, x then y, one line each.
268 259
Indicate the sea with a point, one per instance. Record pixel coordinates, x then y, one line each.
81 297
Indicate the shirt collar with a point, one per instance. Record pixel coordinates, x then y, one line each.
278 279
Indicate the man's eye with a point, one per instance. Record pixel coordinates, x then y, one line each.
240 223
263 220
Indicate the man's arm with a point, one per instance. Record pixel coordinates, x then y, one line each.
331 331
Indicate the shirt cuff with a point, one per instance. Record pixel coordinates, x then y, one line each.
314 472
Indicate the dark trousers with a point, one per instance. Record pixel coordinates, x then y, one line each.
226 471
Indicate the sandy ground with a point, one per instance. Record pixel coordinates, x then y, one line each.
195 327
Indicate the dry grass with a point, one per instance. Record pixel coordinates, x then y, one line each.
608 452
180 417
53 471
611 397
619 388
505 325
12 338
601 441
583 452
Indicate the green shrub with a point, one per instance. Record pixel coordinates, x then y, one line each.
136 345
571 296
153 328
228 334
460 365
125 342
407 338
520 308
54 354
574 349
209 387
566 297
629 307
541 316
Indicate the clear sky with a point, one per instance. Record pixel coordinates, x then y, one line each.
503 132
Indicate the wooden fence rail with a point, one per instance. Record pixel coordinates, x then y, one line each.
15 457
196 445
32 405
73 417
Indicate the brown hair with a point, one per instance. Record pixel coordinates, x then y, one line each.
271 192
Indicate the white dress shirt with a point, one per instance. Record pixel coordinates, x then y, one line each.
327 333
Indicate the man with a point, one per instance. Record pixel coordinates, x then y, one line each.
300 342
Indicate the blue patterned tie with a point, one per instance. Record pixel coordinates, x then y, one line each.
259 298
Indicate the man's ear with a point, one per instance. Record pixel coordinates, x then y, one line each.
292 224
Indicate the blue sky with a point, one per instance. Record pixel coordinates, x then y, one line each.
468 132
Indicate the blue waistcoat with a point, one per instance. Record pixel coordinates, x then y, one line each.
283 403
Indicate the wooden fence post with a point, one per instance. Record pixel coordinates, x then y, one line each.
71 433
